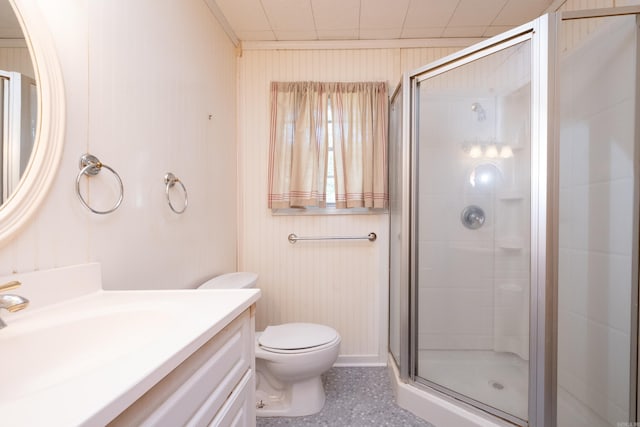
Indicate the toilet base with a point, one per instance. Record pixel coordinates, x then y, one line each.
291 400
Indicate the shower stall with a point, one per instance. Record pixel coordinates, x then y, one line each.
514 190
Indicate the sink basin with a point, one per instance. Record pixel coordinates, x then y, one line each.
52 348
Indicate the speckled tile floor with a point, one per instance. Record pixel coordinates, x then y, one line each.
356 397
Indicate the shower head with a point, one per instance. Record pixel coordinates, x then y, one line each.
477 108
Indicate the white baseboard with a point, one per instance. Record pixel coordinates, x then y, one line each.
362 360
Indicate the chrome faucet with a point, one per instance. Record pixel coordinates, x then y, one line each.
10 302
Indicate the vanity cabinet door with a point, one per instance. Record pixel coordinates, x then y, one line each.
194 392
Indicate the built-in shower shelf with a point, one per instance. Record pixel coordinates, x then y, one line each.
511 196
510 243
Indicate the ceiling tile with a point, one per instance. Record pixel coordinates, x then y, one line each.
244 15
338 34
256 35
336 14
517 12
9 26
494 30
296 35
380 34
383 14
473 13
464 31
289 15
429 13
421 33
377 19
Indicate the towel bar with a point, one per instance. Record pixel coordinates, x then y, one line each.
370 237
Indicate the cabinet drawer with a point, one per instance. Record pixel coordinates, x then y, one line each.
207 378
238 410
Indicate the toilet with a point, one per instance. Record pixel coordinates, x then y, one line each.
289 359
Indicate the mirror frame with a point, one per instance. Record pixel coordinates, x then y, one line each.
45 157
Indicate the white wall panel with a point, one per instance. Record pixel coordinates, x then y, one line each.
419 57
341 284
140 82
181 70
16 59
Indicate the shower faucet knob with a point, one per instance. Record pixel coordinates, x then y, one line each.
472 217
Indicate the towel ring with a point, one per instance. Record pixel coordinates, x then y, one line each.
91 166
170 180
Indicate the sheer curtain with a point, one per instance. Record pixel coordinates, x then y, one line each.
299 144
360 112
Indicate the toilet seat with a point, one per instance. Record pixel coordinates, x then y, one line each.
297 337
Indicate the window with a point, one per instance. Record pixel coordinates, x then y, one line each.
331 175
328 147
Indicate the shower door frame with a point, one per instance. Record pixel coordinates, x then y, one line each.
540 33
404 360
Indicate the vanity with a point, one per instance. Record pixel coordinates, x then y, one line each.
79 355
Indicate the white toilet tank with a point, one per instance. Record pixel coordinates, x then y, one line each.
238 280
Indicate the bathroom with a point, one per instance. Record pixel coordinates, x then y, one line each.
158 86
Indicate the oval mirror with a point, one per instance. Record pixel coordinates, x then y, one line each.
31 113
18 102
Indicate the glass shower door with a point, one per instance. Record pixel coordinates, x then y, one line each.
472 226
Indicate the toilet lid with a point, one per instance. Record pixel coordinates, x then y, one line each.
294 336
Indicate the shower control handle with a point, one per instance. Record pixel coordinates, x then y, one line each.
472 217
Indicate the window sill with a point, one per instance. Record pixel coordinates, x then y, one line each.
327 211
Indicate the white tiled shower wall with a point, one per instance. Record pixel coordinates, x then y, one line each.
598 111
473 284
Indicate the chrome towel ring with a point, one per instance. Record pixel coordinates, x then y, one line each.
170 180
91 166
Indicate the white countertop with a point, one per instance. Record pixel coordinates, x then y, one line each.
84 360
